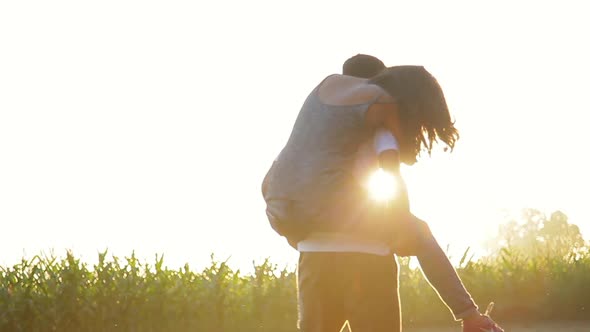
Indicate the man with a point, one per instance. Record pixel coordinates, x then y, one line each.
433 261
315 198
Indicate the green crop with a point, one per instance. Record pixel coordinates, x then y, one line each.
125 294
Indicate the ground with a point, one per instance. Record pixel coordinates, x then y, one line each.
547 327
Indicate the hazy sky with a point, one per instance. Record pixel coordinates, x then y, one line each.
148 126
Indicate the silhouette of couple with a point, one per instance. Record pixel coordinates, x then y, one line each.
369 117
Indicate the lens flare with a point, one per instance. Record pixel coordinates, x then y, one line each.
382 185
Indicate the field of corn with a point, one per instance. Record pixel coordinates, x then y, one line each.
126 294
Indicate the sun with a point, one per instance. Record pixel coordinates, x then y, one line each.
382 185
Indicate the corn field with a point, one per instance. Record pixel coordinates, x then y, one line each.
65 294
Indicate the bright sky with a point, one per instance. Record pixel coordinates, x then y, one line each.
148 126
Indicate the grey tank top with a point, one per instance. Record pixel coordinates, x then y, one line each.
314 171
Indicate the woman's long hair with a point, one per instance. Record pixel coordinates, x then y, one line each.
424 114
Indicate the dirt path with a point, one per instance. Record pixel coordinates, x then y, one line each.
548 327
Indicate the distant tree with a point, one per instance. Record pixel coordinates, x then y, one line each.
534 233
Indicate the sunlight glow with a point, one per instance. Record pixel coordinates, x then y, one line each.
382 185
111 129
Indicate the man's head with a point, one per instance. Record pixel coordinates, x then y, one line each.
363 66
423 113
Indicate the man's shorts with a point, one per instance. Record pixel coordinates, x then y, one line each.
335 287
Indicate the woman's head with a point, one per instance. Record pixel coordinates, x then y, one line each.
423 113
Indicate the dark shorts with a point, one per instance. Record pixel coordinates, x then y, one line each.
336 287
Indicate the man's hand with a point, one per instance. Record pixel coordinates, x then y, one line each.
481 323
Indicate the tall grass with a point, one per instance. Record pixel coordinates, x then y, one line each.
46 294
524 288
125 294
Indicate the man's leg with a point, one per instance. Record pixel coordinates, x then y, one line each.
322 282
376 300
361 288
